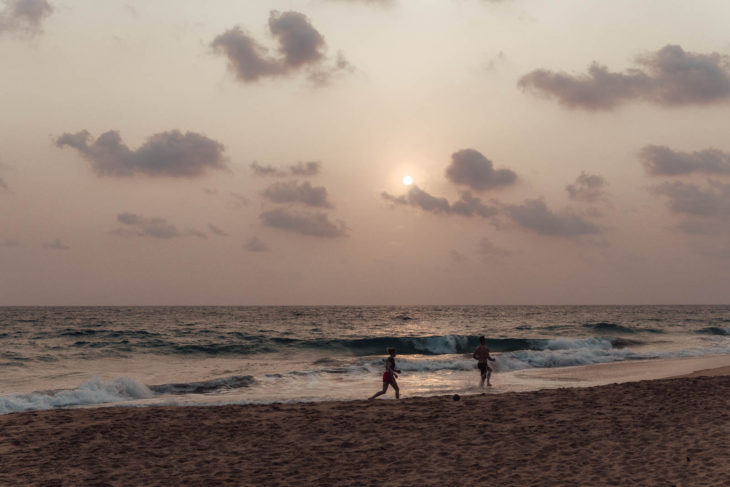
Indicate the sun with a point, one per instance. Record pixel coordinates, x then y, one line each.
407 180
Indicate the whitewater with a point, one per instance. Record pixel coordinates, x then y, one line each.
55 357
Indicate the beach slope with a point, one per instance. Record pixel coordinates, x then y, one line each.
659 432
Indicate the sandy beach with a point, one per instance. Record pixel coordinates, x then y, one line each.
657 432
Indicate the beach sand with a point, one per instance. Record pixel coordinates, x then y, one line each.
656 432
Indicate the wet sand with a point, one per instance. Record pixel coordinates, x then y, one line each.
655 432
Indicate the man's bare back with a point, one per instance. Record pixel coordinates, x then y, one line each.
482 354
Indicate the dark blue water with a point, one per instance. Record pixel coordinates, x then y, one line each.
255 351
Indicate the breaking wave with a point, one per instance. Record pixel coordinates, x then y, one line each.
122 389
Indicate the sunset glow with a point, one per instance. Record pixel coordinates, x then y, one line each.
259 152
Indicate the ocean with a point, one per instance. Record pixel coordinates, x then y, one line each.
53 357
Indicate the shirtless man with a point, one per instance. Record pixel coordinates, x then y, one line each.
482 355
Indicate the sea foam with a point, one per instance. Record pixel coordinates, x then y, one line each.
94 391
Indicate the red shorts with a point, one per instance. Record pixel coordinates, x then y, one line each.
387 377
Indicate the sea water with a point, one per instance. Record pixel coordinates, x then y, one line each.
80 356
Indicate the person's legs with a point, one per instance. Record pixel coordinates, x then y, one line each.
483 373
380 393
489 374
397 389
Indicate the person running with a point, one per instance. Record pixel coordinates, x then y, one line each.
389 376
482 355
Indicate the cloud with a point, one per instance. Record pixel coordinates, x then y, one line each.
293 192
254 244
300 47
151 227
316 225
467 205
486 248
587 187
469 167
534 215
170 153
299 42
663 161
311 168
216 230
706 210
599 90
245 55
260 170
3 185
322 76
691 199
24 16
305 169
668 77
56 245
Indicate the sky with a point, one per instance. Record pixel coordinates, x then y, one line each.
254 152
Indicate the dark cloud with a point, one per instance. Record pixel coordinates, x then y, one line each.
293 192
305 168
300 46
299 42
140 226
470 168
261 170
587 187
663 161
467 205
669 77
598 90
246 57
420 199
681 77
705 209
254 244
164 154
316 225
691 199
311 168
536 216
216 230
56 245
24 16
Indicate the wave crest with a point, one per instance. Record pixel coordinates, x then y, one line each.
94 391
